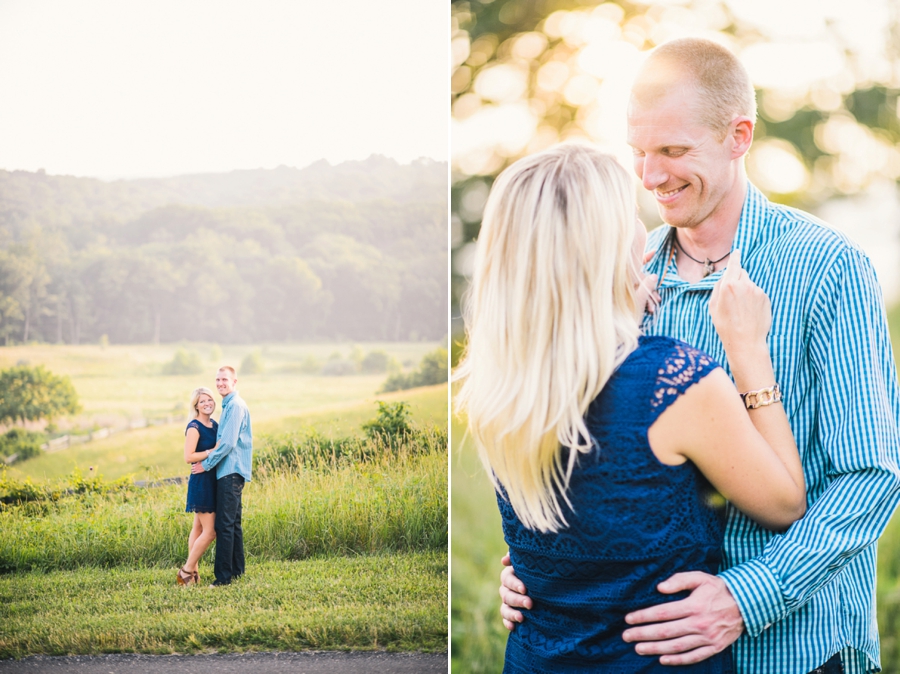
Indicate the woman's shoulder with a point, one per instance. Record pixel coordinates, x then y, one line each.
215 424
673 353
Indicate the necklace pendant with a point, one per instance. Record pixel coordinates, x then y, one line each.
708 267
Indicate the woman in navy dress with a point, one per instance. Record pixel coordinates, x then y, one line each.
602 443
199 441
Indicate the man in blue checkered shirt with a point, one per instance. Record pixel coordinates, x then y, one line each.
802 601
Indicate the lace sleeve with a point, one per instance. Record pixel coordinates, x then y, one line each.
682 367
193 423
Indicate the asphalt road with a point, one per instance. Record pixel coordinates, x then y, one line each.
310 662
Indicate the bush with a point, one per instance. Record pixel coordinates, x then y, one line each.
34 393
310 365
339 368
184 362
24 444
391 425
432 370
252 364
375 362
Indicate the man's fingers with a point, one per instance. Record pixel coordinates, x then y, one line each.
510 615
660 613
509 580
505 560
508 625
679 645
690 657
514 599
682 581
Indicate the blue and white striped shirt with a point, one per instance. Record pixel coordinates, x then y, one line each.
234 453
810 592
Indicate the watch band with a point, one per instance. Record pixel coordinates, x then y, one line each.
762 397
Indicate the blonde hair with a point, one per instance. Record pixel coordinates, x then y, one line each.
723 86
195 398
550 313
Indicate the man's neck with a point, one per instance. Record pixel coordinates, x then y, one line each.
713 238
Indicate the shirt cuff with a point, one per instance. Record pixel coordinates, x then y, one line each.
205 463
756 591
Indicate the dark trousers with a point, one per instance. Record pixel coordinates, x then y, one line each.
833 666
229 535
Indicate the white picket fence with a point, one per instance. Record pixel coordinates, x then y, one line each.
65 441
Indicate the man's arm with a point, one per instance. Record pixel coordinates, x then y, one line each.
229 429
857 426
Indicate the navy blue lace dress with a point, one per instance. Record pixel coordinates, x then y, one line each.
201 495
636 522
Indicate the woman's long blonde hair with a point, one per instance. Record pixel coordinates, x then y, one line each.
195 398
550 314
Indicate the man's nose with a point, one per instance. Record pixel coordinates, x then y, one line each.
653 173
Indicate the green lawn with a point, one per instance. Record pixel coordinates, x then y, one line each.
393 602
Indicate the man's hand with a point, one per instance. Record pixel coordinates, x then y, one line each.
512 594
197 468
690 630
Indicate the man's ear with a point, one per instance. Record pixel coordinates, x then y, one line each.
741 135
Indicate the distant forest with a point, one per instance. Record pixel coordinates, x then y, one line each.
353 251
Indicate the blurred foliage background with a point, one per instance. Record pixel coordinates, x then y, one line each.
530 73
352 251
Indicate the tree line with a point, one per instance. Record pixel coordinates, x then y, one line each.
327 253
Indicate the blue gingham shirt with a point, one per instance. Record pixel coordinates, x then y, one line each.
234 453
810 592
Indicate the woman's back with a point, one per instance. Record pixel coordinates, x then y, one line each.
636 522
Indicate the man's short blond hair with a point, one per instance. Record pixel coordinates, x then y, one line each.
722 82
230 369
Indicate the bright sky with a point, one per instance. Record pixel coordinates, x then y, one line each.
115 89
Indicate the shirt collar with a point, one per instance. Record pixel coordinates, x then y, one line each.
227 399
746 239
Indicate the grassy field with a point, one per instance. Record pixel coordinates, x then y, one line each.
393 602
157 451
119 383
343 551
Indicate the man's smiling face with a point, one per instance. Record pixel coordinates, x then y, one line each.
685 164
225 382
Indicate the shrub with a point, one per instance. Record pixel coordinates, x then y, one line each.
339 368
392 423
310 365
375 361
34 393
252 364
24 444
184 362
432 370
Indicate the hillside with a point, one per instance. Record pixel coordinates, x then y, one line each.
352 251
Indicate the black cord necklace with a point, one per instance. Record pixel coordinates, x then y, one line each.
709 266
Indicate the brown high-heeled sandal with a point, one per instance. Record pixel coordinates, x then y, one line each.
187 579
196 577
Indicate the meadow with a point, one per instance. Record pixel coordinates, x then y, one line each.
347 548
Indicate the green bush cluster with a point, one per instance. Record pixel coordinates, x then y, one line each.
34 393
432 370
184 362
20 443
252 364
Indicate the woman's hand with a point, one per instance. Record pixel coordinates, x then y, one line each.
646 295
741 313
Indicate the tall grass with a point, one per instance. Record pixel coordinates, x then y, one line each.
304 501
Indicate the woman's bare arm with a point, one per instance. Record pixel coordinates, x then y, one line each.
191 455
